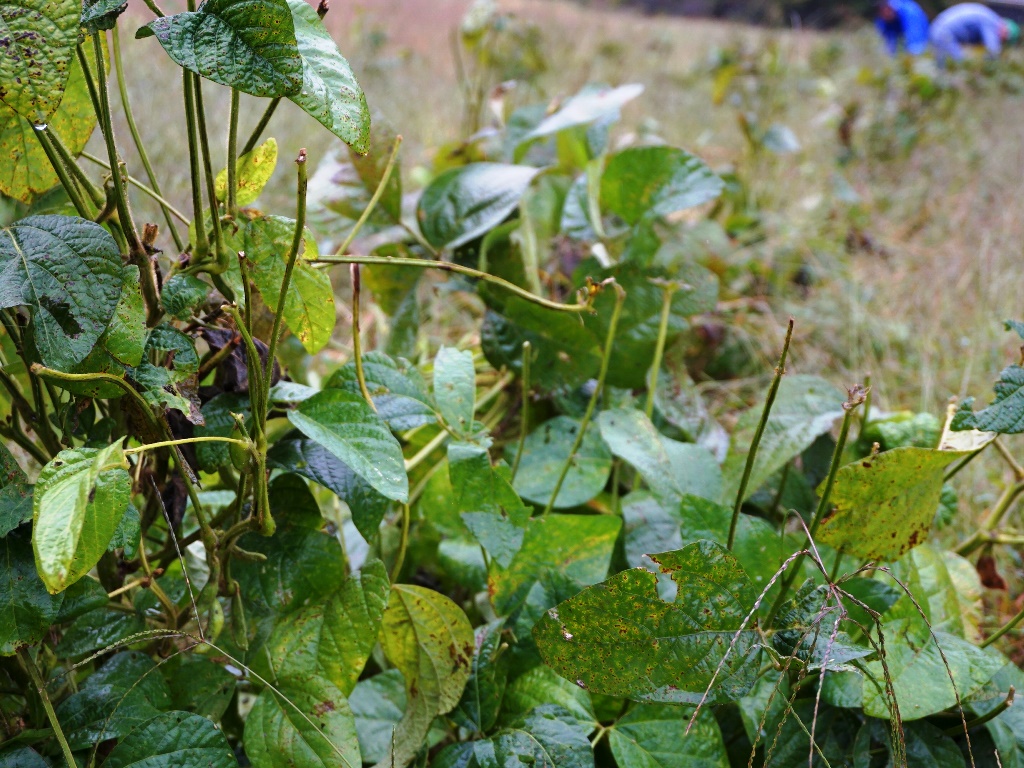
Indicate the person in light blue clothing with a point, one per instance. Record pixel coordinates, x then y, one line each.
970 24
902 23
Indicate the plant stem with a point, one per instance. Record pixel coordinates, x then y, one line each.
613 325
201 247
94 192
377 195
357 344
780 371
122 87
136 250
993 713
74 194
992 520
261 126
184 441
37 681
211 192
403 544
435 442
659 350
524 416
1004 629
232 193
448 266
857 397
300 225
153 194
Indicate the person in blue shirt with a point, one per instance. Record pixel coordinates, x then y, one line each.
902 22
970 24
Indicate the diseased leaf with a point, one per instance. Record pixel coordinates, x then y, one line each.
182 294
309 304
245 44
100 15
329 93
481 699
78 502
68 272
429 639
252 172
331 640
455 389
40 36
462 204
654 736
805 407
545 453
171 382
173 739
344 424
308 724
25 171
26 608
657 639
656 181
884 505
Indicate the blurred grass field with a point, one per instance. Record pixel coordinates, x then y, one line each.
908 261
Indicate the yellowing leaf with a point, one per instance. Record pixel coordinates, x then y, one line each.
252 172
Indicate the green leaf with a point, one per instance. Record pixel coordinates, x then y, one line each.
463 203
884 506
396 387
26 609
565 353
173 739
656 181
545 452
199 684
172 385
653 736
41 36
306 723
68 272
245 44
101 15
218 422
805 407
671 469
182 294
309 304
540 685
83 596
15 507
481 700
547 737
378 703
331 640
79 500
560 555
455 389
1007 728
25 172
312 460
128 532
588 106
944 585
329 93
344 424
1006 413
98 628
918 674
429 639
124 693
631 636
21 757
929 747
252 172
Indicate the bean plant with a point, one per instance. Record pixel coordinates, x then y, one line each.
532 546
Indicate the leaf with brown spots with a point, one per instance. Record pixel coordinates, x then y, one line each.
428 638
659 637
37 45
884 506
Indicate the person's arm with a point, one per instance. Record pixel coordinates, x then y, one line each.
915 31
889 37
990 36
